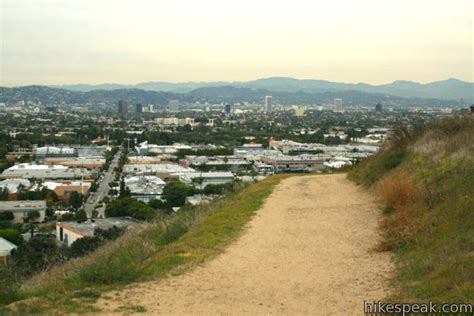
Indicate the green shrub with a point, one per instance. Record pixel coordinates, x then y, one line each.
8 287
6 216
12 235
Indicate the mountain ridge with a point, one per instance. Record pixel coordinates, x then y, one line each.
216 94
449 89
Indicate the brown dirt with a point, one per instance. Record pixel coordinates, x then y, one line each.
307 251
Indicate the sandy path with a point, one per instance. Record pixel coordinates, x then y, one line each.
307 251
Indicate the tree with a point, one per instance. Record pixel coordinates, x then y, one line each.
108 234
76 199
32 217
88 244
6 216
130 207
175 193
81 215
214 189
124 190
12 235
83 246
4 194
156 204
66 217
94 187
37 254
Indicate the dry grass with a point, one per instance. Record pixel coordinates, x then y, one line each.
452 140
404 200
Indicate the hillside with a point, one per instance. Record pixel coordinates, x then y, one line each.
424 179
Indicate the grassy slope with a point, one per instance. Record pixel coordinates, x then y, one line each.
425 179
188 239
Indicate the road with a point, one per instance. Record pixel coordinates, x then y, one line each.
307 251
103 190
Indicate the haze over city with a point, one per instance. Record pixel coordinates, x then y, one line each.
64 42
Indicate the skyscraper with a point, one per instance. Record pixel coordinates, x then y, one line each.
268 103
228 108
338 107
378 107
139 108
122 107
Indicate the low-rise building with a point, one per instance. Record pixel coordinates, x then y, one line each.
144 160
12 186
165 171
144 188
192 178
76 162
20 209
301 163
69 232
64 189
6 248
41 171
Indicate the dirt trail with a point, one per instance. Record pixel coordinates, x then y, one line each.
307 251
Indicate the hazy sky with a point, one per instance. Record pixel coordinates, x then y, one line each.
374 41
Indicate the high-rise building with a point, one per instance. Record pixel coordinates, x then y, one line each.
227 108
173 105
378 107
268 103
122 106
139 108
338 107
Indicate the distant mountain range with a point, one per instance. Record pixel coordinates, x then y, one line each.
450 89
214 94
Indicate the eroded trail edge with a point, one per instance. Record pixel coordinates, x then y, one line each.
307 251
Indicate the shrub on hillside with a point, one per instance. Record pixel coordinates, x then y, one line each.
8 287
12 235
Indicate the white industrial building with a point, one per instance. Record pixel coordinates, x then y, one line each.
207 178
164 171
144 188
144 148
12 184
40 171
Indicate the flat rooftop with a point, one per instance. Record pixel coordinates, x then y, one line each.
87 228
21 205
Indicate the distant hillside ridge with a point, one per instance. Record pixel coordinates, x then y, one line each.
424 179
217 94
450 89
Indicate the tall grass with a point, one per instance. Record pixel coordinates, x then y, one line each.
425 179
186 239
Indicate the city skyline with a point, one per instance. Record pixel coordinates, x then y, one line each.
56 42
